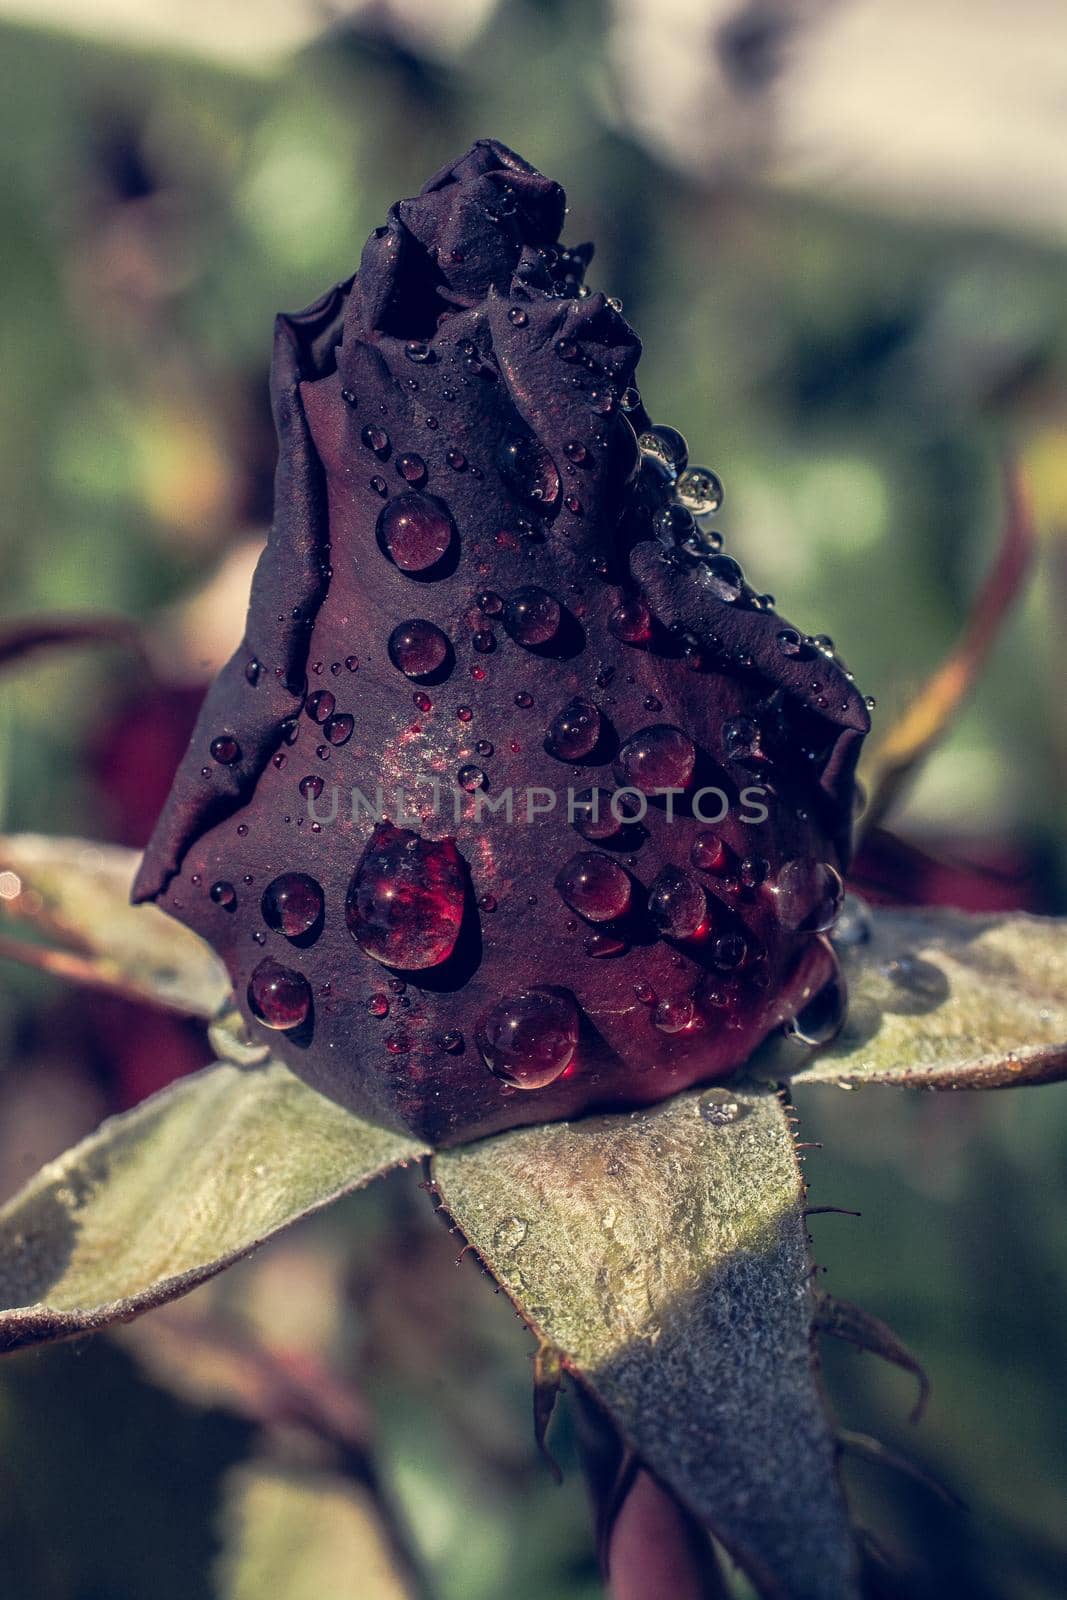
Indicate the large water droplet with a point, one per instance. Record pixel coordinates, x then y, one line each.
724 578
593 816
594 886
808 894
575 731
665 446
529 1039
293 904
405 902
530 470
320 705
415 531
658 757
699 490
278 996
677 904
418 648
720 1107
631 621
532 616
817 1022
674 1014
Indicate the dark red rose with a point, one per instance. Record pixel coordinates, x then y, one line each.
488 569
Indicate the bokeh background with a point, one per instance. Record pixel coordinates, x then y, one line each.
841 229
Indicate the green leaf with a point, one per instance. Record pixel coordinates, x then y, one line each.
172 1192
78 893
664 1254
945 1000
304 1534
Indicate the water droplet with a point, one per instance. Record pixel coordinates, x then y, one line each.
709 853
531 616
870 702
451 1040
631 622
417 648
699 490
630 399
293 904
489 603
484 641
278 996
574 731
456 460
509 1233
677 904
603 400
376 439
471 778
225 750
573 505
415 350
320 705
730 951
415 531
422 701
673 525
742 740
594 818
517 317
524 699
253 669
594 886
790 642
821 1018
575 451
720 1106
724 578
224 895
674 1013
665 446
483 748
311 787
405 902
338 729
527 466
378 1005
379 486
645 994
412 469
659 757
808 894
529 1039
567 350
464 713
352 663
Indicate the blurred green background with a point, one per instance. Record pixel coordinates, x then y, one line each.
846 256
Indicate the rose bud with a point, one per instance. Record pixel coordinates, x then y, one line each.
488 569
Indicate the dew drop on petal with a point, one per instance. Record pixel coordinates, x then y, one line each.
415 530
292 904
595 886
657 757
532 616
677 904
278 996
575 731
405 901
529 1039
418 648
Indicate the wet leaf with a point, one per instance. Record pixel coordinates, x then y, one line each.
76 894
664 1255
946 1000
172 1192
304 1534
